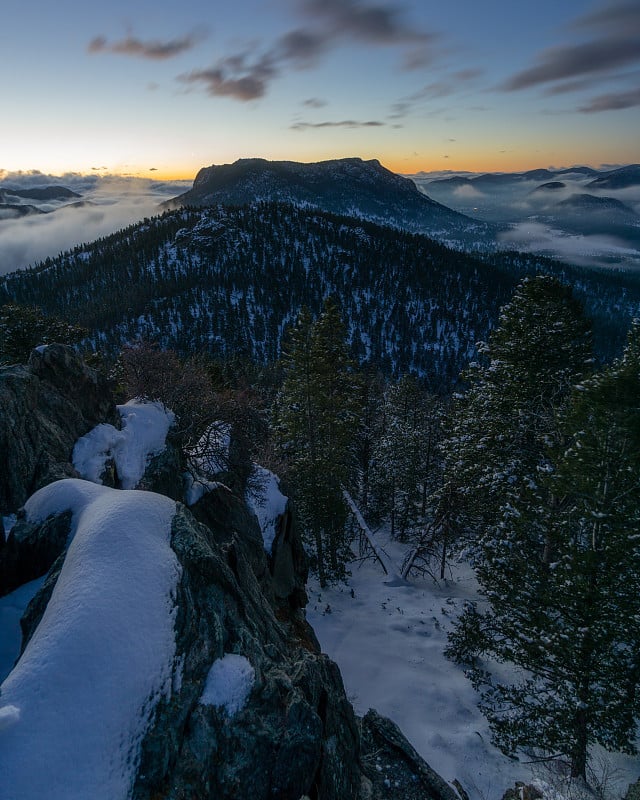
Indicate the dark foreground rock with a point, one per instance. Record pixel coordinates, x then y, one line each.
45 407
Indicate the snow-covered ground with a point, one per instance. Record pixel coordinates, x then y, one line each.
144 431
388 641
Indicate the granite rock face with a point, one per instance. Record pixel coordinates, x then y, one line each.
45 407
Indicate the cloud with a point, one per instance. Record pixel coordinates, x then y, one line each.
152 49
577 249
613 44
434 91
612 102
245 77
248 74
111 203
314 102
467 192
561 63
345 123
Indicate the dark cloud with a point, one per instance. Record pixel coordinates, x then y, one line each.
375 23
314 102
612 102
613 44
618 17
301 47
589 58
152 49
345 123
247 76
372 23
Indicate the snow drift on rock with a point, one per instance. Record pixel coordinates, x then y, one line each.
76 706
144 432
267 502
229 683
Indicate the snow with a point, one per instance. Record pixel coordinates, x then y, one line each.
76 706
229 684
7 523
388 640
144 432
267 502
195 487
12 607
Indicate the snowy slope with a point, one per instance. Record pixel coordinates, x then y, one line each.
75 708
388 641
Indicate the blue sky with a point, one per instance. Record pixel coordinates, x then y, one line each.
160 89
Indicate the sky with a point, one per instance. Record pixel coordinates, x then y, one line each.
160 89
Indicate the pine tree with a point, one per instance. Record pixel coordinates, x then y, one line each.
316 424
561 576
404 454
501 427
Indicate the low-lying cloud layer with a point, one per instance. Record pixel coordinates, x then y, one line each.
109 203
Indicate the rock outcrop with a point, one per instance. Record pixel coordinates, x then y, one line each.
45 407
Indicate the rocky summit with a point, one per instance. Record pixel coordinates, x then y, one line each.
341 186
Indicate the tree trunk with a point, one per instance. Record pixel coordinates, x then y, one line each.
320 556
579 749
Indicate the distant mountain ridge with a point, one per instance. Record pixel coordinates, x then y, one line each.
41 193
341 186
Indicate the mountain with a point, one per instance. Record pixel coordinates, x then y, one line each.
583 202
622 178
41 193
342 186
550 186
15 210
232 279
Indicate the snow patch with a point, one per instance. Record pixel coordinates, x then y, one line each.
229 684
9 715
7 523
102 656
12 607
143 435
267 502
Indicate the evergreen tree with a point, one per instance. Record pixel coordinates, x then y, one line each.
501 427
404 454
561 576
316 424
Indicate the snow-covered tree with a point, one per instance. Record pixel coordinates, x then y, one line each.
502 425
404 454
561 577
316 425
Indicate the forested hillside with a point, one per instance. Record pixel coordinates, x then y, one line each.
230 280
